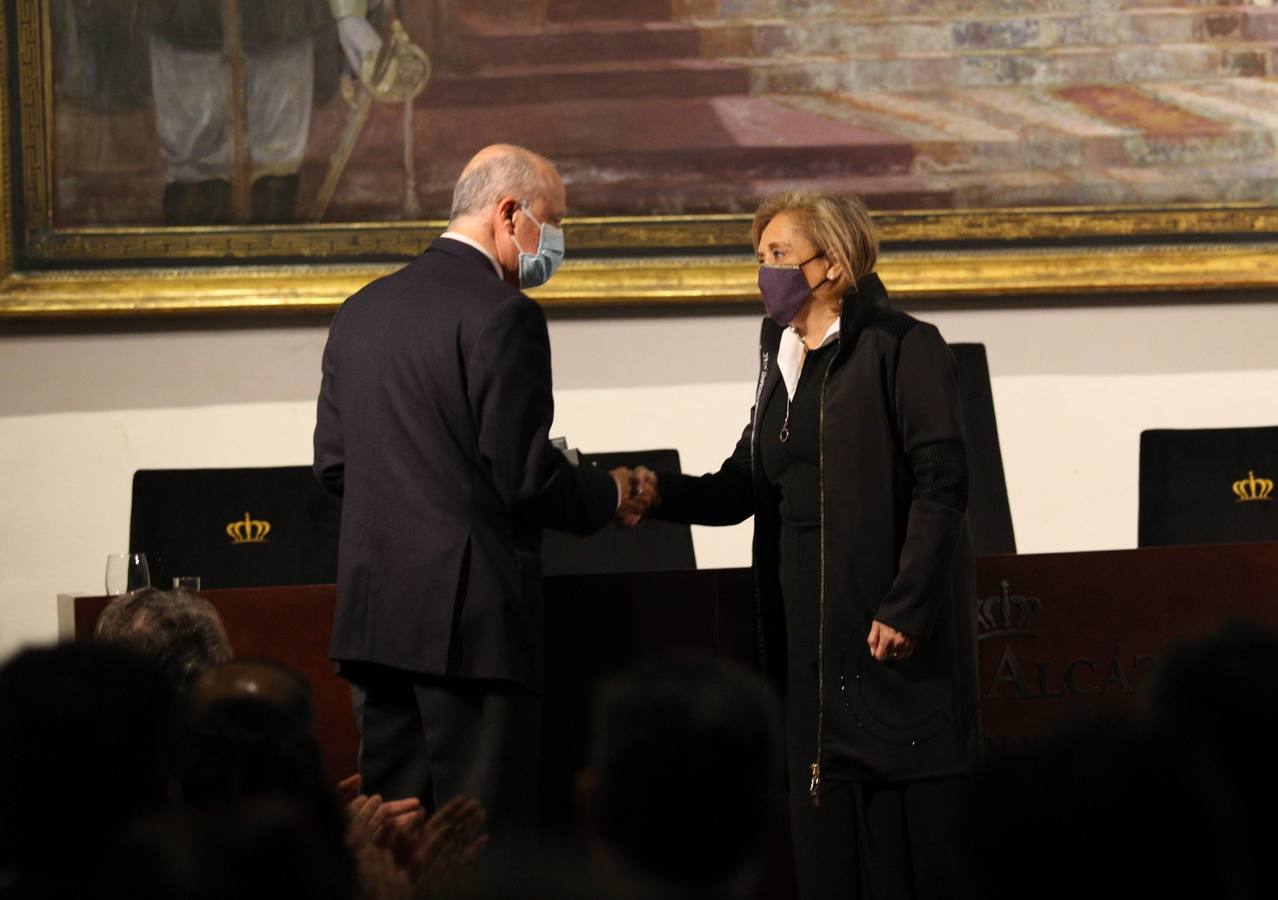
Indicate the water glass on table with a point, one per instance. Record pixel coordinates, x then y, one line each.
126 573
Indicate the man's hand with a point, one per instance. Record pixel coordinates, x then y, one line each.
624 478
887 644
639 495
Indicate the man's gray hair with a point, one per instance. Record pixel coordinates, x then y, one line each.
515 173
178 630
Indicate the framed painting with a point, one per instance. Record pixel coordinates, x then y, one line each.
201 155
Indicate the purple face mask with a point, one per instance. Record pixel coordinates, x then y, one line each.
785 289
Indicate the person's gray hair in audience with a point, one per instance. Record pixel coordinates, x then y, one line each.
181 631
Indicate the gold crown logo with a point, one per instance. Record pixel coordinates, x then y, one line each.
1006 614
248 530
1253 488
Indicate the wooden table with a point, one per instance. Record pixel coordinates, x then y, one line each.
1060 635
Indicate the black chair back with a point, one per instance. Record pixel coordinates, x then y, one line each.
235 527
1208 486
988 513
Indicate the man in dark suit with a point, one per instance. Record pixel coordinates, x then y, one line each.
432 423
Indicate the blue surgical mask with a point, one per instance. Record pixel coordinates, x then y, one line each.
535 269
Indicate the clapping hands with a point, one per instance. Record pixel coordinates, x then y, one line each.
435 850
639 494
400 851
369 819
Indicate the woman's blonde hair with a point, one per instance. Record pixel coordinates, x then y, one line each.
839 226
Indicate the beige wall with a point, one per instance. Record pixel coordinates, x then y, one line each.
84 405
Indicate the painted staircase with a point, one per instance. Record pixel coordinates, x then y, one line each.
686 106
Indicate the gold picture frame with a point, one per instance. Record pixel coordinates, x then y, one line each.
648 260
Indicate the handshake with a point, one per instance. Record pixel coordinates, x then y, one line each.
639 495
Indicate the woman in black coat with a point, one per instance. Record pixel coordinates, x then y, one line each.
853 465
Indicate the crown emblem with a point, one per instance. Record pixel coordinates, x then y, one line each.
1253 488
248 530
1006 614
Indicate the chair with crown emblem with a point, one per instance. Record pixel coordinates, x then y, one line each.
250 527
1208 486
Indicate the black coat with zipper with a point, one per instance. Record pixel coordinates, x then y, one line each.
894 544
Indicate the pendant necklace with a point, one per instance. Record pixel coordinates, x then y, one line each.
785 425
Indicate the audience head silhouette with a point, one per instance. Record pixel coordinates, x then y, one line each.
1177 804
87 738
684 759
257 850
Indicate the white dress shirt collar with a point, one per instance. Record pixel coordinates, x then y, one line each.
791 353
471 242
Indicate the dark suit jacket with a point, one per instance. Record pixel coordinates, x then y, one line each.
433 420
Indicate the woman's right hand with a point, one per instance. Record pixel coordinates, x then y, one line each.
887 644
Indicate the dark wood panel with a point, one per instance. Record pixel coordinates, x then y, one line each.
1080 633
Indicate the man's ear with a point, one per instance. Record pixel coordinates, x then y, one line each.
506 210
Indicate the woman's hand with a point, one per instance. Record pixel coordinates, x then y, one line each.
887 644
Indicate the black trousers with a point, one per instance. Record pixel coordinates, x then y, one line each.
888 842
436 738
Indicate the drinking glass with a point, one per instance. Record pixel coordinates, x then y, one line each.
126 572
186 583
